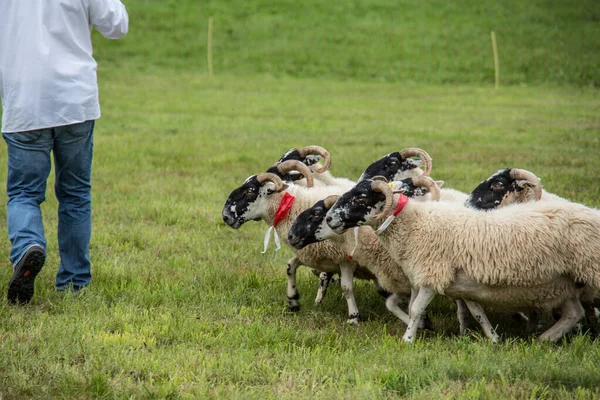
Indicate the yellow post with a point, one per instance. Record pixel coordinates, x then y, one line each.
209 47
496 63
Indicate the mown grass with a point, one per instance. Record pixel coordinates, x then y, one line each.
182 306
539 41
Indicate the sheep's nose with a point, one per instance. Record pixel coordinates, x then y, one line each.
328 219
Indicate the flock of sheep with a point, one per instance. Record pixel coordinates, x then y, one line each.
509 244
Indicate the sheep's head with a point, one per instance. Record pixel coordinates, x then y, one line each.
398 165
308 155
370 202
310 226
506 186
251 200
359 206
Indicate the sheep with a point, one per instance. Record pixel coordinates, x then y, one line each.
508 186
511 185
399 165
308 155
518 257
261 197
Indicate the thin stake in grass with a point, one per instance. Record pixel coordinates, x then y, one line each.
209 47
496 63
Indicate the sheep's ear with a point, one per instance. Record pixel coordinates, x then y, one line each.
439 183
271 187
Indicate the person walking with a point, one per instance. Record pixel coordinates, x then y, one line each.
49 92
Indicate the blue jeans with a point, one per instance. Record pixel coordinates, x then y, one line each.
28 169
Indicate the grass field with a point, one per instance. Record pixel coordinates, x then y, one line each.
182 306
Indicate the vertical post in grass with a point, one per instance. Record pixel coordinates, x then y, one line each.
209 47
496 64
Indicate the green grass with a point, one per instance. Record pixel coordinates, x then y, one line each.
182 306
539 41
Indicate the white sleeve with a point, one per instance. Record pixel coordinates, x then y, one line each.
109 17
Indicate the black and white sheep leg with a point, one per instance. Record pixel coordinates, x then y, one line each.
461 315
479 314
324 281
292 291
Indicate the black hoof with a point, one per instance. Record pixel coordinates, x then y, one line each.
427 325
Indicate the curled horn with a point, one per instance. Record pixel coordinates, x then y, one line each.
295 165
534 181
379 178
267 176
308 150
423 156
330 201
427 182
383 187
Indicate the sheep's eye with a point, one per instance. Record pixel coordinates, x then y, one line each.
362 200
250 193
317 215
497 186
392 164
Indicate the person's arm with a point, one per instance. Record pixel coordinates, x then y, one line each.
109 17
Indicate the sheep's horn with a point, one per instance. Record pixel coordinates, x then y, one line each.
330 201
534 181
381 186
295 165
267 176
427 182
379 178
423 156
308 150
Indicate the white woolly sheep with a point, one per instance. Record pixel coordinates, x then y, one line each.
518 257
511 185
262 196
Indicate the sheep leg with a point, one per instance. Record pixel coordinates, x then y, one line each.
413 295
392 304
292 292
347 285
324 281
571 312
479 315
417 308
461 315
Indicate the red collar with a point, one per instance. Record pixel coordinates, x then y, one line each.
402 200
284 208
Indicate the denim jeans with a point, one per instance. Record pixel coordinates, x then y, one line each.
28 169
